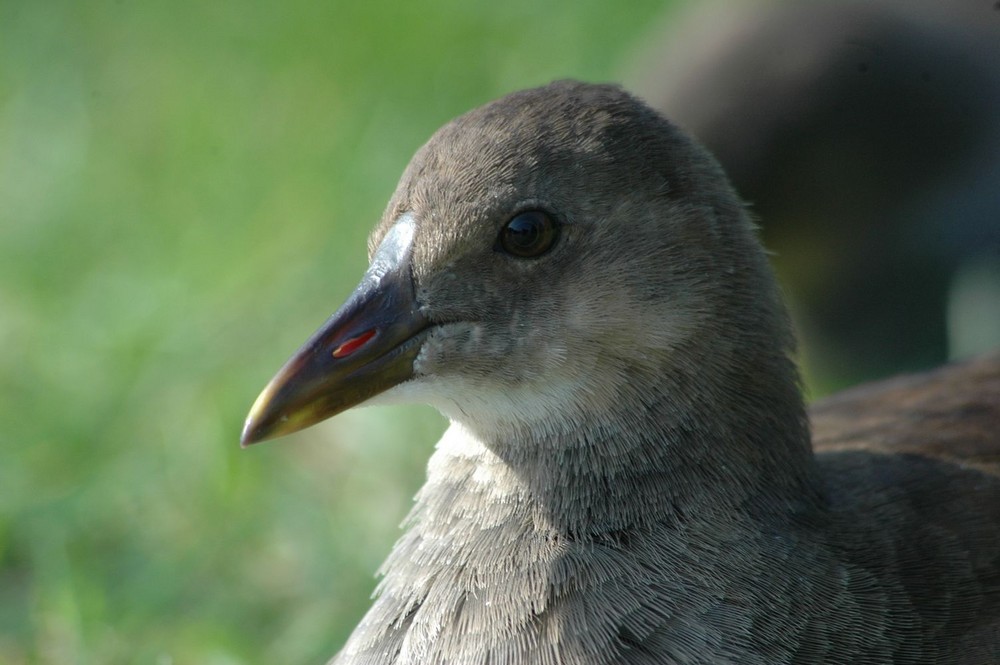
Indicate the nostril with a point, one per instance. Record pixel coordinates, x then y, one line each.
353 344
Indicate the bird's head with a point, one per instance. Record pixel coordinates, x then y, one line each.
550 255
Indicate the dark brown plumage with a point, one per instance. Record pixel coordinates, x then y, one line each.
951 413
628 476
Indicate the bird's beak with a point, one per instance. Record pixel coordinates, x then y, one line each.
367 347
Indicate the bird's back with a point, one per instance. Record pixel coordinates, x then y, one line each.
951 413
926 531
920 455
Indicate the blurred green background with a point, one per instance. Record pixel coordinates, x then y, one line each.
185 192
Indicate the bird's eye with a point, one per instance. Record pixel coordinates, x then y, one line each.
528 234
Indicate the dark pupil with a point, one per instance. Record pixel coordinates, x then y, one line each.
524 231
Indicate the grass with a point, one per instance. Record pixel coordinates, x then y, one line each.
185 191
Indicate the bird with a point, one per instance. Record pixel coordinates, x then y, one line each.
628 475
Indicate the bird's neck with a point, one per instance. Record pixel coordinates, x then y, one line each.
508 524
667 454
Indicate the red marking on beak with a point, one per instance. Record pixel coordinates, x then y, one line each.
353 344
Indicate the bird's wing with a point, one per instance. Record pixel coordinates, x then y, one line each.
951 413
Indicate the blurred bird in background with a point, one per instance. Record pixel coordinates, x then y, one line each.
866 137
